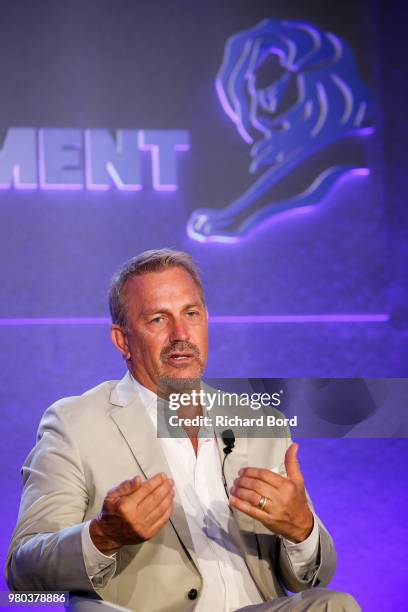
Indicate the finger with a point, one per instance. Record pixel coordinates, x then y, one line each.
155 498
248 508
155 527
267 476
127 487
291 463
253 497
160 509
148 486
254 485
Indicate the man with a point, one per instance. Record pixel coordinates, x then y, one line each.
109 508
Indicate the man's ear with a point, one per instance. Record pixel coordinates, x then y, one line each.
119 339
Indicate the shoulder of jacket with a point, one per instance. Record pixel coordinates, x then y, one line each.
89 404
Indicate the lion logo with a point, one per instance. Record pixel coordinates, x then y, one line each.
295 96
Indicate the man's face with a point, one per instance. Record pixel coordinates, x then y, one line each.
167 338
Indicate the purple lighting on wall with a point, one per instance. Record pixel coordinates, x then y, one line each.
228 319
311 318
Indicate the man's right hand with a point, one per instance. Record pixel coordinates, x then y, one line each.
132 512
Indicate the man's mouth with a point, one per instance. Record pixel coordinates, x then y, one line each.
180 358
180 355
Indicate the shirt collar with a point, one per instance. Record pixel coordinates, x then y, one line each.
148 397
149 401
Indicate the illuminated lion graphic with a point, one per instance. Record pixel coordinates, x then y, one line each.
294 95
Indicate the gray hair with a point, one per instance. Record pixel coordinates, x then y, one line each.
153 260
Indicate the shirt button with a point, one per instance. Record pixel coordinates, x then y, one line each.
192 594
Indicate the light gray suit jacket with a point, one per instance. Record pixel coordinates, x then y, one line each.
89 444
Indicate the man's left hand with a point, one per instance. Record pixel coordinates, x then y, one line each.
277 502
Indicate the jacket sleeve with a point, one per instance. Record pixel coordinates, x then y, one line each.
326 559
46 548
320 575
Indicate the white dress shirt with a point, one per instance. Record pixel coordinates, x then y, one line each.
227 583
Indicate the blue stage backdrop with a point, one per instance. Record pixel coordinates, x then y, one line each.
264 138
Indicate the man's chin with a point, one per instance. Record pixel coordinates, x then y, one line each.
179 384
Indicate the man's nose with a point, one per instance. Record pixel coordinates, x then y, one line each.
179 330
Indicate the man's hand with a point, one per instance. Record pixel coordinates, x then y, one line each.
286 511
132 512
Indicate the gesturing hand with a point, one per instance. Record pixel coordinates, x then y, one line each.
133 512
277 502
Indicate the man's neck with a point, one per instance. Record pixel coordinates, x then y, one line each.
183 412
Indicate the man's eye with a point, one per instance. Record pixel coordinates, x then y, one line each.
156 320
192 313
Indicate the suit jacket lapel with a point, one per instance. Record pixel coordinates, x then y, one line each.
138 431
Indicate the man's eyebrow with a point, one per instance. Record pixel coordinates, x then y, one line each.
158 309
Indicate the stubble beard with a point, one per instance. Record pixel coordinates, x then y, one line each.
179 384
